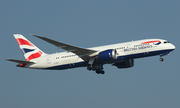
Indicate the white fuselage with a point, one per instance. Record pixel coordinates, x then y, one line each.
127 50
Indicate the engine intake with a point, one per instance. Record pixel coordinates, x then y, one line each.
107 55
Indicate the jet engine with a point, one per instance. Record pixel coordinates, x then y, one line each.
107 55
125 64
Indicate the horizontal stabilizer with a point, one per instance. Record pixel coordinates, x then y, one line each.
20 61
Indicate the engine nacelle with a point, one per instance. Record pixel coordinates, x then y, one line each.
125 64
107 55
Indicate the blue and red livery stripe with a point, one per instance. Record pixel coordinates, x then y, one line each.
157 42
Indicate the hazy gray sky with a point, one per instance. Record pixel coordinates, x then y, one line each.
149 84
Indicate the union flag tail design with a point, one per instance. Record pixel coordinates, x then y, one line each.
30 50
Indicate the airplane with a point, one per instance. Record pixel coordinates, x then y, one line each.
121 55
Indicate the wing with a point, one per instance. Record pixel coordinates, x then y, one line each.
81 52
20 61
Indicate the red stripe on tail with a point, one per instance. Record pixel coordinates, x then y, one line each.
35 55
23 42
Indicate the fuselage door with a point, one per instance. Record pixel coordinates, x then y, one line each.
49 60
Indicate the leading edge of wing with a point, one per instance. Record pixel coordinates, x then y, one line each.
81 52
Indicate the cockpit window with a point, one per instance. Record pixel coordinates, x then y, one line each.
166 42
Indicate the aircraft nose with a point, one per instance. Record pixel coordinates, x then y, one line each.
173 47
